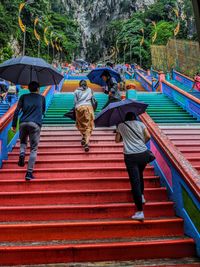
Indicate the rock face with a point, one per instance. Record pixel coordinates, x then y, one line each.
94 15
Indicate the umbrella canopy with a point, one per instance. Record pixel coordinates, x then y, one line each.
23 70
95 76
115 113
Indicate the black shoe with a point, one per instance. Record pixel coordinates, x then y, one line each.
29 176
83 142
21 162
87 149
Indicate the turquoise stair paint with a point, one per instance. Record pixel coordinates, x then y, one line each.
164 111
62 103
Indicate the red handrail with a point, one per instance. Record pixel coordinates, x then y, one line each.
8 116
182 165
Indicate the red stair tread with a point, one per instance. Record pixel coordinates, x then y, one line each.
79 207
83 212
78 196
90 230
91 252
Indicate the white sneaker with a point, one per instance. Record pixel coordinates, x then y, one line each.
139 216
143 200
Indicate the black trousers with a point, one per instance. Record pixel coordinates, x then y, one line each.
111 100
135 164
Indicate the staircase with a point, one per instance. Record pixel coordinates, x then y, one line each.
62 103
164 111
79 206
3 109
187 139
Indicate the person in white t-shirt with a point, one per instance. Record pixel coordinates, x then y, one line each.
136 157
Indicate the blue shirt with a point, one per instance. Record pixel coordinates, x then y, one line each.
33 108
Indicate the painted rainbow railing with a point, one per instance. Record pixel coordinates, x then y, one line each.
182 98
144 81
76 77
178 176
150 85
154 73
8 139
179 77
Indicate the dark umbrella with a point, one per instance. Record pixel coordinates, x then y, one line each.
115 113
95 76
23 70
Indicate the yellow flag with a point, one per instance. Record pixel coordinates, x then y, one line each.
176 12
156 33
37 36
21 25
21 6
142 41
52 44
45 38
60 48
176 31
154 37
56 44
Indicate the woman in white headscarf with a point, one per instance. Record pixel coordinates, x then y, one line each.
84 113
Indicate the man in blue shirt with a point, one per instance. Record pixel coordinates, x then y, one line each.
32 107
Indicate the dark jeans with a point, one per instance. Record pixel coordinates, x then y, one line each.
111 100
135 164
31 130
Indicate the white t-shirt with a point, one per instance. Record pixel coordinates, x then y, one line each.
133 144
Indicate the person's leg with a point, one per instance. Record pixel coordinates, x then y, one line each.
34 137
134 176
80 121
89 126
23 136
141 171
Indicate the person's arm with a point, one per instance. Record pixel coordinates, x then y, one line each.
105 89
75 98
43 105
147 135
16 114
114 87
118 138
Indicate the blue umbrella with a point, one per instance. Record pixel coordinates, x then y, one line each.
23 70
115 113
95 76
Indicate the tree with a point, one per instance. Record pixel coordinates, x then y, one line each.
165 31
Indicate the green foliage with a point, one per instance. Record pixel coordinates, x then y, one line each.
126 34
52 14
165 31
